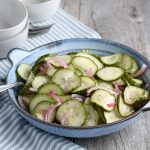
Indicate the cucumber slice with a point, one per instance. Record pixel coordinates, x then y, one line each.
57 60
134 66
112 116
47 88
124 109
51 71
125 80
39 116
101 114
138 82
120 82
86 83
71 67
74 113
37 99
95 60
41 108
78 72
110 73
133 94
126 63
132 81
28 84
92 117
24 71
104 99
39 80
35 68
41 59
66 79
111 59
85 65
65 98
106 84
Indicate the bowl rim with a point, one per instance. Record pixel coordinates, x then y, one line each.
15 36
38 4
24 19
131 50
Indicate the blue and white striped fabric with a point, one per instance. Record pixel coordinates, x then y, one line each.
15 132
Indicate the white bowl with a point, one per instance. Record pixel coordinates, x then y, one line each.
13 18
41 9
14 42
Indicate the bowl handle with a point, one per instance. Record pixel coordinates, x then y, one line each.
16 55
146 107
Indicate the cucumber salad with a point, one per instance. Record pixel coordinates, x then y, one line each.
82 89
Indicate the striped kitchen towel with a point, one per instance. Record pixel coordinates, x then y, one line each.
15 132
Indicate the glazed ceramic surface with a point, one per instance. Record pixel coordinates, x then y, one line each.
13 18
14 41
41 9
101 47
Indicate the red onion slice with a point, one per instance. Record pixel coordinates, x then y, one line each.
101 87
111 105
78 97
43 68
147 85
51 109
59 60
141 72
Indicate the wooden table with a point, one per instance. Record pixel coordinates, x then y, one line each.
128 22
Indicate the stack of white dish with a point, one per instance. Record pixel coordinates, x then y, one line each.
13 25
15 16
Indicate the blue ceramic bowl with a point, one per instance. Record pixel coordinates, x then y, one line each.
97 46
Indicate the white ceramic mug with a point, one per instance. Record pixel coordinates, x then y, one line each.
41 9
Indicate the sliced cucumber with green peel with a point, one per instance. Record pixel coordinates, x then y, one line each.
123 108
85 65
111 59
92 117
65 98
133 94
126 63
42 108
104 99
51 71
47 88
95 60
36 67
120 82
112 116
132 81
24 71
106 84
78 72
28 84
71 67
39 116
39 80
72 113
134 66
110 73
39 98
67 79
86 83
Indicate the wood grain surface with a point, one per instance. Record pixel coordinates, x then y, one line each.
128 22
